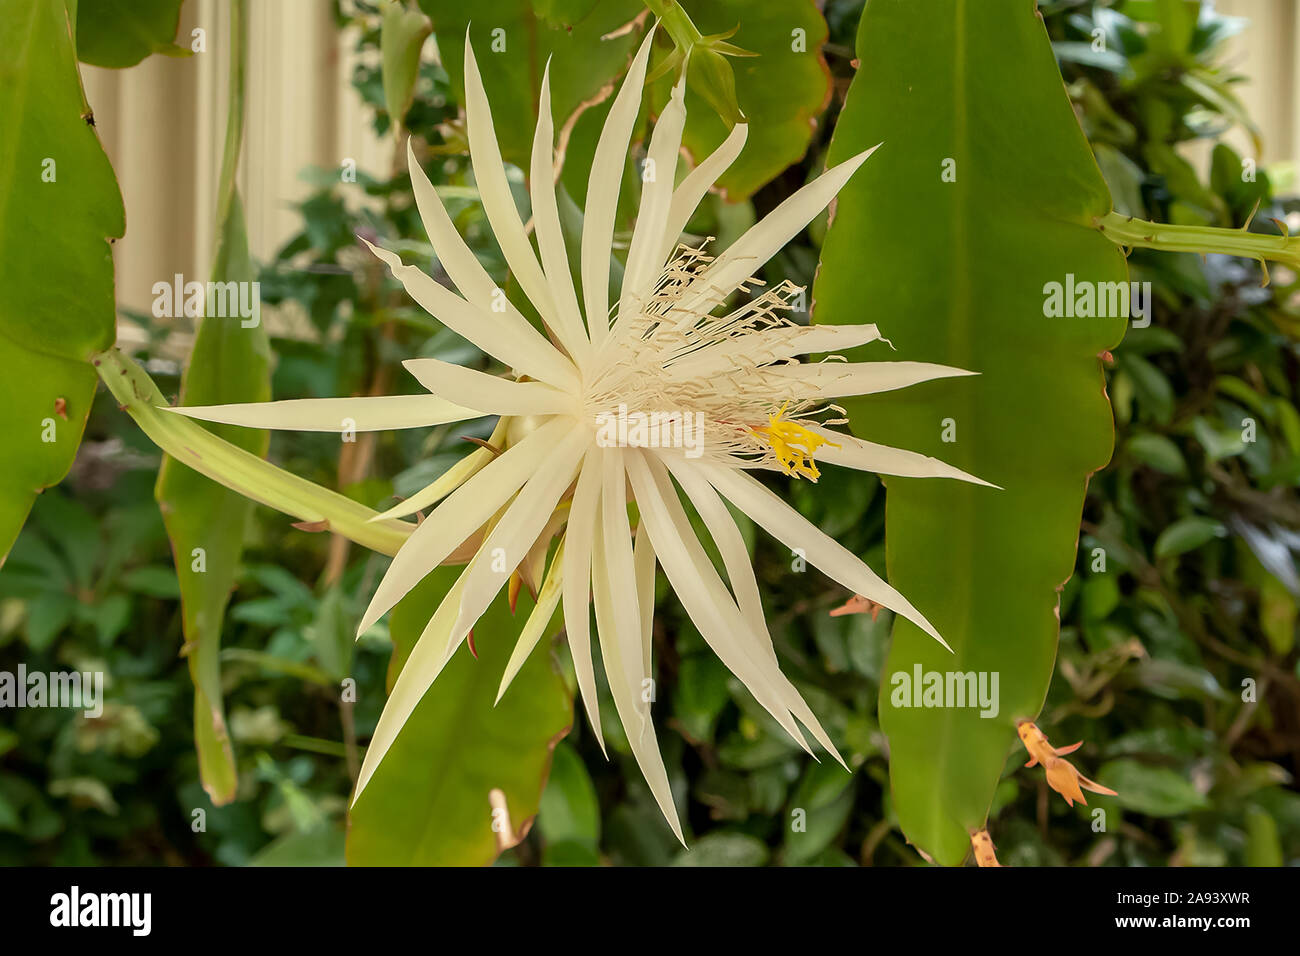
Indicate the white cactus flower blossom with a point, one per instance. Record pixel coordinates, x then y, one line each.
726 382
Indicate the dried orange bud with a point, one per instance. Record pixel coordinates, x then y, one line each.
857 605
1061 774
982 844
516 581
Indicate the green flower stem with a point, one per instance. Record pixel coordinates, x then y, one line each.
676 22
191 444
1129 232
235 109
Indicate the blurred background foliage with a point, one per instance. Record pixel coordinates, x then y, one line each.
1185 587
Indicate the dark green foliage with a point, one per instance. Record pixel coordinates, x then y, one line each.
1199 531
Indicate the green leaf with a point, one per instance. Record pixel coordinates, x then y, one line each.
782 90
153 580
1263 846
401 38
205 521
954 272
819 808
1155 791
1188 534
428 803
320 846
121 33
1158 452
1277 614
47 615
512 40
569 813
59 208
724 849
699 695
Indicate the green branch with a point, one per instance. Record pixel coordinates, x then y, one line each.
675 20
1138 233
239 470
234 109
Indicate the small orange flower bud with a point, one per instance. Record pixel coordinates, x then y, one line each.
1061 774
982 844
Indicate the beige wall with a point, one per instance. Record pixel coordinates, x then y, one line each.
162 124
1266 53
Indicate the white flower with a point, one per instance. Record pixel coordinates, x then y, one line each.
732 378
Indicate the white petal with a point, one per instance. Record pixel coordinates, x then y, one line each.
494 187
643 555
518 529
829 338
613 583
548 599
735 558
747 254
700 590
770 345
885 460
687 196
579 538
455 256
836 379
462 513
644 264
418 673
602 195
364 414
568 325
490 393
822 551
451 479
524 349
731 546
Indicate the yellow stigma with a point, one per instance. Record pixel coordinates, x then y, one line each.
792 444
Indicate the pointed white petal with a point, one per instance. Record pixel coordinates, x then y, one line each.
748 254
451 479
701 591
822 551
731 546
836 379
602 195
548 599
830 338
494 187
770 345
885 460
519 528
462 513
687 196
735 559
568 327
491 394
418 673
364 414
643 555
522 348
454 254
644 263
613 583
579 538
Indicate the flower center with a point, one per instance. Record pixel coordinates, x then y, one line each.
793 444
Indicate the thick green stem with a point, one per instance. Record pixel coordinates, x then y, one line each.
1129 232
234 109
239 470
676 22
